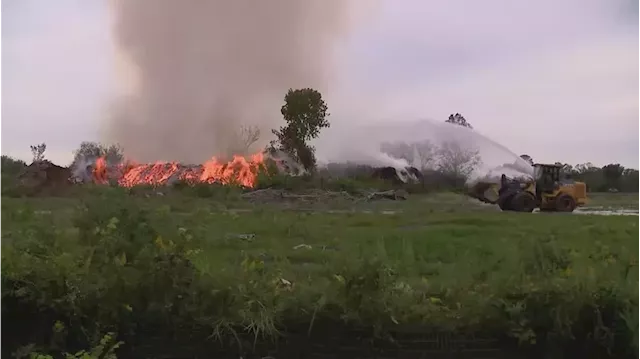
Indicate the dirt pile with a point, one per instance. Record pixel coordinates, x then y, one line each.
44 175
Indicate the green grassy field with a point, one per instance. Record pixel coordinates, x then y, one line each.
441 262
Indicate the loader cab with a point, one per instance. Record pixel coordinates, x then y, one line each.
547 177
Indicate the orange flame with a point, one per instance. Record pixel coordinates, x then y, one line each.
100 171
240 170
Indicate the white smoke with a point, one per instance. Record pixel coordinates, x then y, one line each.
362 144
194 71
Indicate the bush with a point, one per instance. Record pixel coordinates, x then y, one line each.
112 272
216 191
11 166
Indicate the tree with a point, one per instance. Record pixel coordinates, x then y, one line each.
38 152
248 136
244 138
90 151
305 113
457 161
11 165
425 154
459 120
612 174
527 158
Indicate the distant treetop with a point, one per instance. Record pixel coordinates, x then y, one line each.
459 120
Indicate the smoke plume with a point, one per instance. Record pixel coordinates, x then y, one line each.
196 70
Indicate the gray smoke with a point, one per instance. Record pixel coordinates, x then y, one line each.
202 68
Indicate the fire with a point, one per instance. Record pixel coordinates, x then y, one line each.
240 170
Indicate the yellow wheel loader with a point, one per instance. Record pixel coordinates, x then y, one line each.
547 191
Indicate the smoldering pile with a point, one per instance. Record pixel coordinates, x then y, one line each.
394 174
407 174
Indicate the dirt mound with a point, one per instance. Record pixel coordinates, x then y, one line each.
42 175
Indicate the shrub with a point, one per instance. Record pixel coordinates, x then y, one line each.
115 270
11 166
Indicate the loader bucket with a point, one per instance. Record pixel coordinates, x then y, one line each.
485 192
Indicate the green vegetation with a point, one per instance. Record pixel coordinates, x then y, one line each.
104 272
122 261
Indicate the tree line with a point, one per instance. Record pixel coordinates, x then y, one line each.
305 114
609 178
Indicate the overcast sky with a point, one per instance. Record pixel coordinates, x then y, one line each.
556 79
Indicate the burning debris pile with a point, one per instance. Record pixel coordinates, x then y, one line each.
240 170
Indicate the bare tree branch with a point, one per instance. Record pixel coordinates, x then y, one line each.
38 152
245 137
456 160
249 135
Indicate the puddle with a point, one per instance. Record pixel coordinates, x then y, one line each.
317 210
607 212
601 211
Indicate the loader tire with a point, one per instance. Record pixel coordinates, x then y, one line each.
504 202
523 202
565 203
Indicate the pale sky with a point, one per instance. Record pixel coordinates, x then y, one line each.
556 79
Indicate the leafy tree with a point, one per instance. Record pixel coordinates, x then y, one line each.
38 152
527 158
305 113
11 165
629 181
612 174
459 120
90 151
